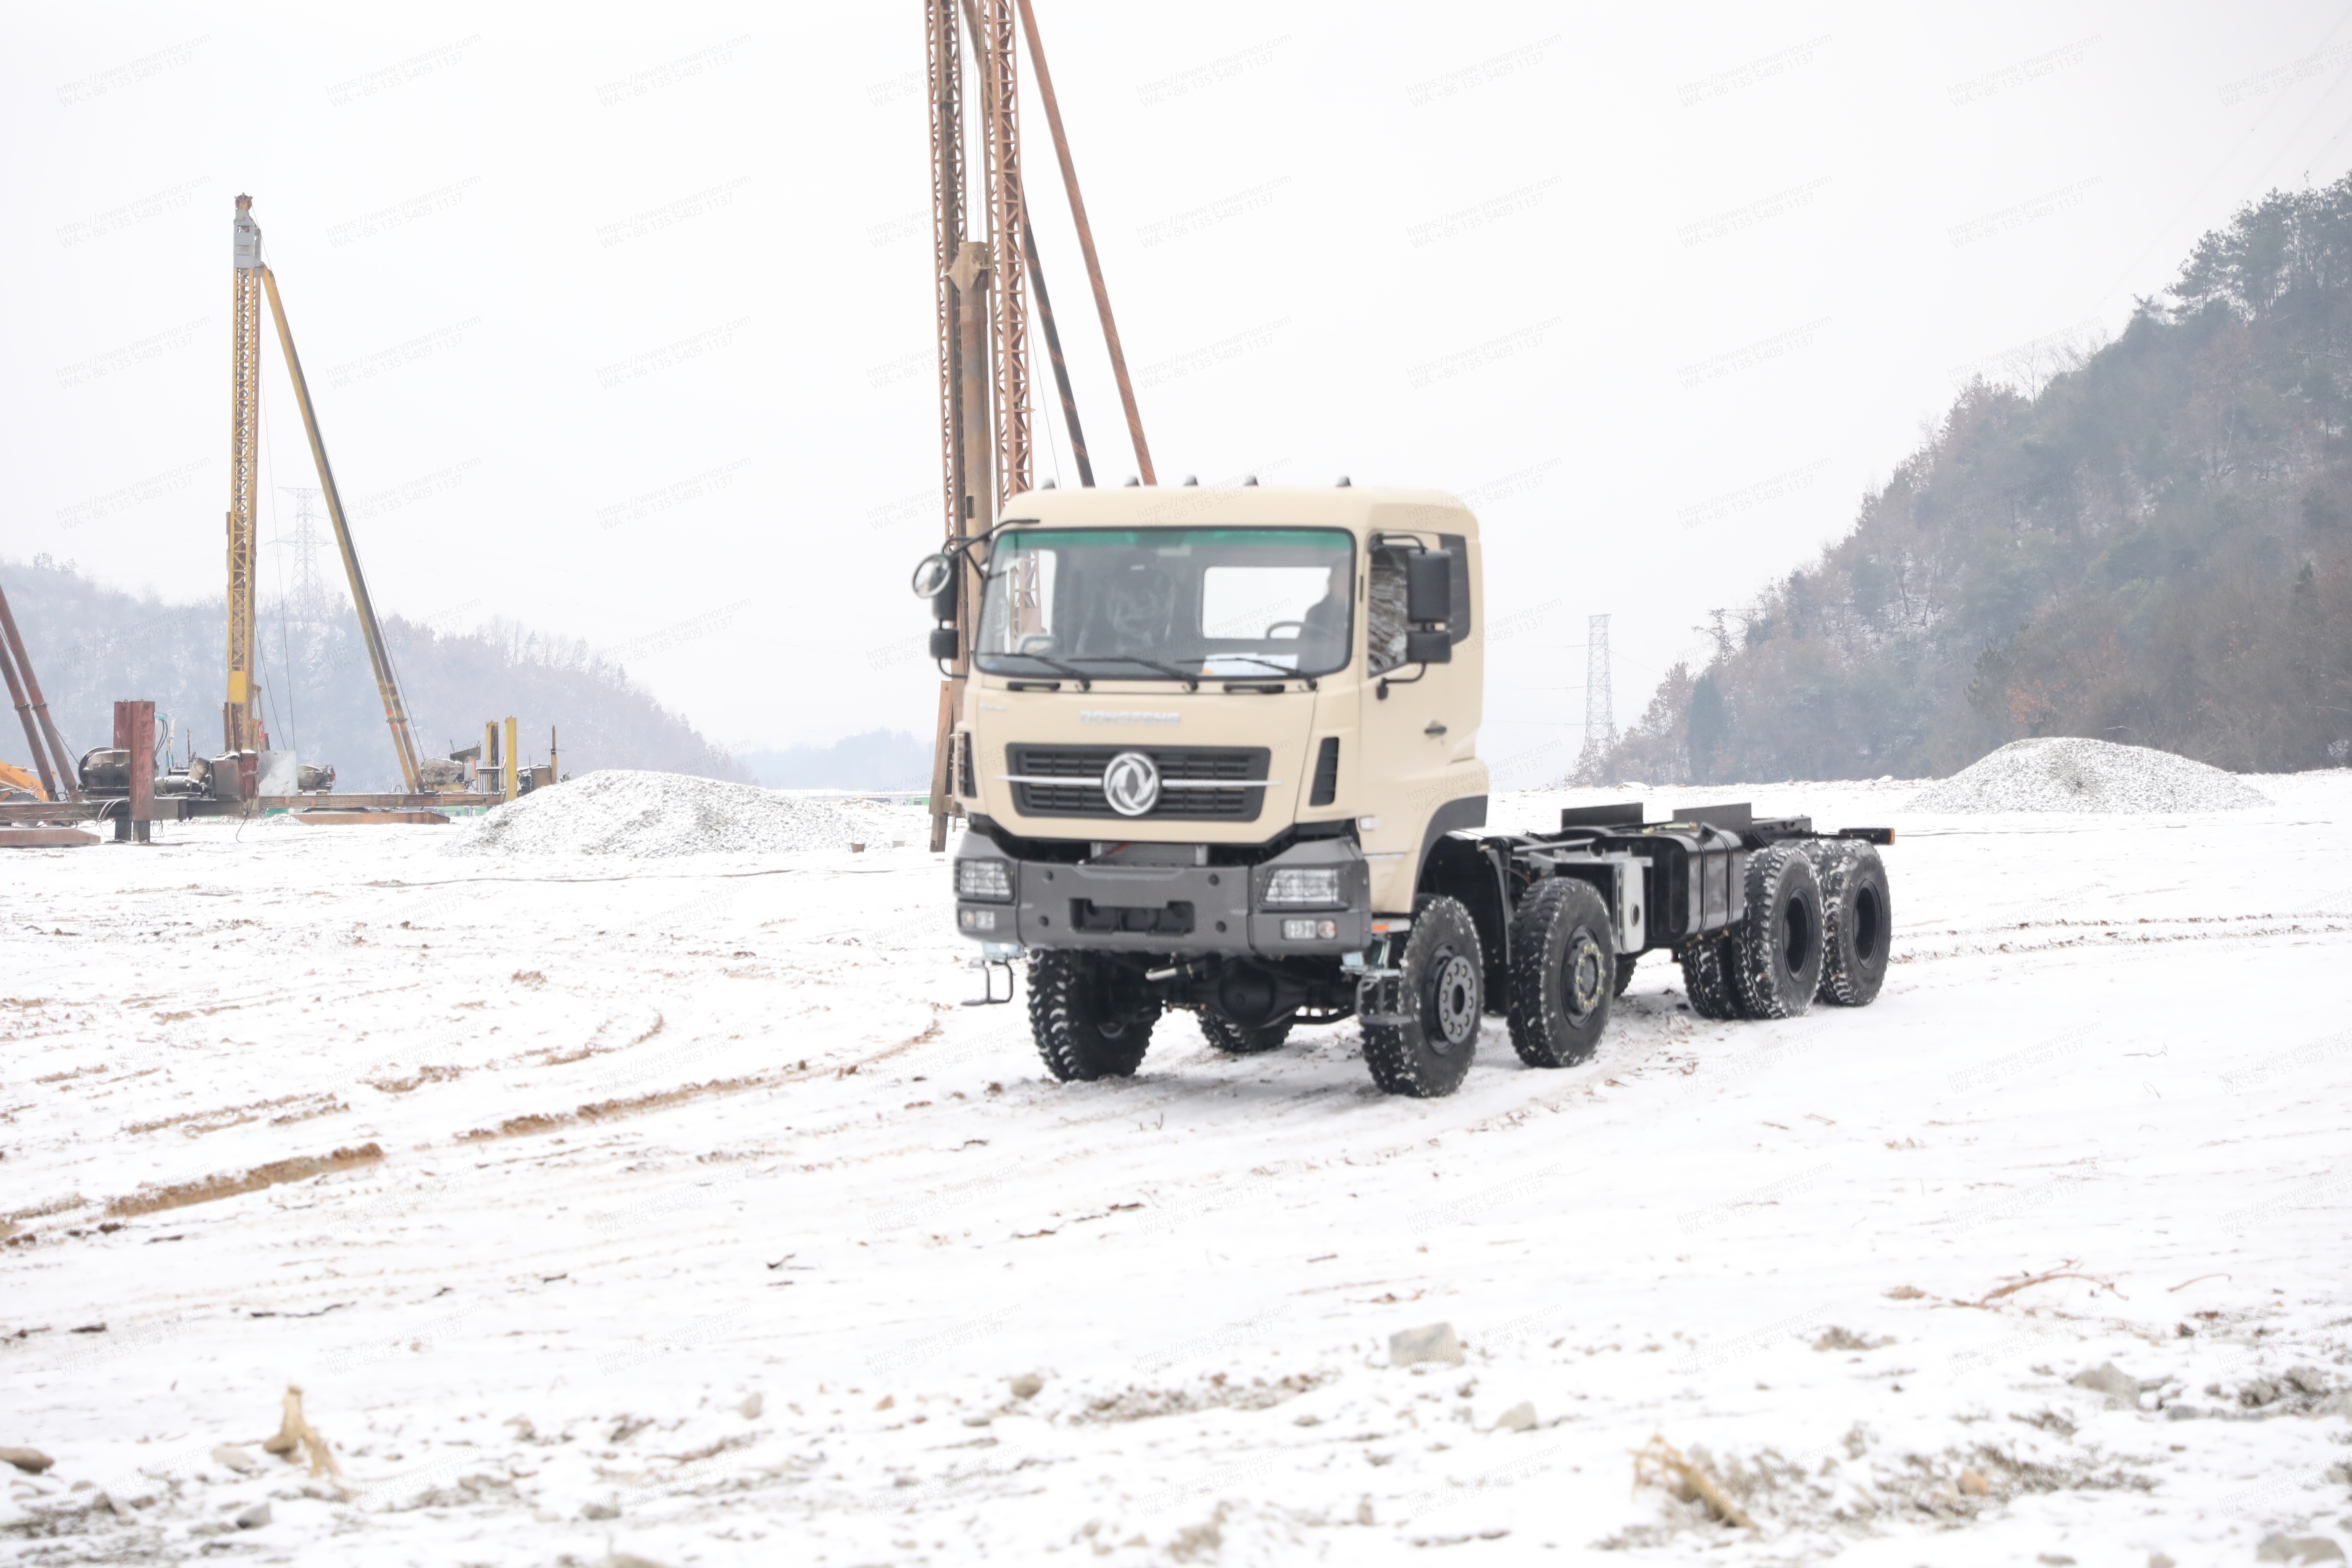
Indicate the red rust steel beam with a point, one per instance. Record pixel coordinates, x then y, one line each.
1086 243
948 185
134 736
28 811
40 707
195 806
1035 272
32 733
972 276
998 53
44 838
947 238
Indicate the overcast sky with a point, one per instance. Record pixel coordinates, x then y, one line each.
619 319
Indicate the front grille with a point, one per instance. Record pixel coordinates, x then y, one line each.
1177 765
1168 920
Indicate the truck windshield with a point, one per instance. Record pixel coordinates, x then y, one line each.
1116 603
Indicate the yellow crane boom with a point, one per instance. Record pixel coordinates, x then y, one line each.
387 682
241 728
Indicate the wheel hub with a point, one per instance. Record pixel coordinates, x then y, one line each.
1454 991
1588 975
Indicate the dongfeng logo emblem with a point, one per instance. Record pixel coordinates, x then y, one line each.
1131 783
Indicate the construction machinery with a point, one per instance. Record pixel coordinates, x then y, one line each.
126 783
129 785
1217 747
41 737
1219 751
241 724
983 288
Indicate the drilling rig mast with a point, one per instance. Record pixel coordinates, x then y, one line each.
253 279
986 412
241 729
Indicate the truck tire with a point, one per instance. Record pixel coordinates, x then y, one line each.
1707 966
1088 1016
1563 973
1776 947
1625 962
1440 995
1857 926
1235 1040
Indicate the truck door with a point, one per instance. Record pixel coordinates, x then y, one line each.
1419 722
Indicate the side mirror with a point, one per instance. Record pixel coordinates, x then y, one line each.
943 603
943 642
1428 585
932 574
1428 648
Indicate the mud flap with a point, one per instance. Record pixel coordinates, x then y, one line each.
1376 1001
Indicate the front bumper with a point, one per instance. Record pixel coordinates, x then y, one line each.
1173 910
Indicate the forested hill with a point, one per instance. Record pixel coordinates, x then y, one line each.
2155 549
91 645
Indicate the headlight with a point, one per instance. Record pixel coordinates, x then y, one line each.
988 880
1304 888
1302 931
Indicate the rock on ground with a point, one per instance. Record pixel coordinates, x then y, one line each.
1436 1342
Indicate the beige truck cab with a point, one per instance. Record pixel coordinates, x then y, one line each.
1218 749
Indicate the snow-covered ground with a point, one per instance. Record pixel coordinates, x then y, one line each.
676 1211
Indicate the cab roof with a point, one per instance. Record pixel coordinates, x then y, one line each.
1359 508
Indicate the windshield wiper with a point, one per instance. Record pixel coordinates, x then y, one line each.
1055 665
1191 682
1282 669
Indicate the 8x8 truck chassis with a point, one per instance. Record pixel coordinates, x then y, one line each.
1216 750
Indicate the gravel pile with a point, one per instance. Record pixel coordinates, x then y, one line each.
2069 774
649 816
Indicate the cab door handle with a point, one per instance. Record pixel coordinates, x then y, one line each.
1435 729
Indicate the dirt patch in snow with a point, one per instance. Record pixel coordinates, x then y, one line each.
1214 1393
605 1109
646 816
197 1122
1821 1498
2071 773
213 1188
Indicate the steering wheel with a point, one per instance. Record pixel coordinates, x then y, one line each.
1035 642
1299 631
